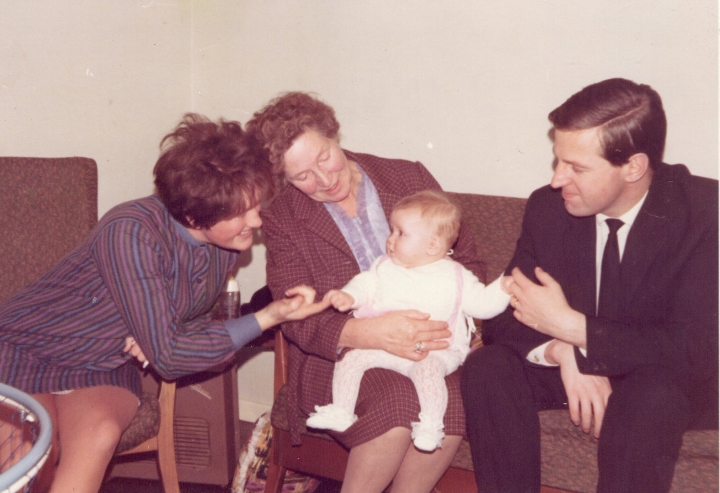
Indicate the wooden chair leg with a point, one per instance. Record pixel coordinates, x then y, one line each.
275 479
166 442
276 472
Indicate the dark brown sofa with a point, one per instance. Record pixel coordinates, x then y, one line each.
568 455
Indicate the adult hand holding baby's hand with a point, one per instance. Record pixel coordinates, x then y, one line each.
339 299
299 303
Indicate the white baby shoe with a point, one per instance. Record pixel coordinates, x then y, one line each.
427 435
330 417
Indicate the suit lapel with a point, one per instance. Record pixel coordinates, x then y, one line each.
385 188
654 226
318 221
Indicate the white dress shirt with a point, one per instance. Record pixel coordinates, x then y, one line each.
537 355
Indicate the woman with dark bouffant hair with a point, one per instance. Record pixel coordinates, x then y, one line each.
328 223
142 285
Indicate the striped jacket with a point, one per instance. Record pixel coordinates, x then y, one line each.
138 273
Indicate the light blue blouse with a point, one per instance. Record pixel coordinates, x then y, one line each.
366 233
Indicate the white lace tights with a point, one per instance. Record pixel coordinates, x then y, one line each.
427 375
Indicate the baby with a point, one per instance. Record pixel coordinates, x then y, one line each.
416 273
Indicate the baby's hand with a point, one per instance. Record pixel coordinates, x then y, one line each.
505 284
339 299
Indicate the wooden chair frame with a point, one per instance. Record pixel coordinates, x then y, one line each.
163 443
316 456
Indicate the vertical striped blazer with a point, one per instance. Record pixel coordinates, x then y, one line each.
138 273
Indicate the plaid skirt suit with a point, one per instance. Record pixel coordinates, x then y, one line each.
304 246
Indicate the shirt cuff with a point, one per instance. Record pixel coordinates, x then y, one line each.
243 330
537 355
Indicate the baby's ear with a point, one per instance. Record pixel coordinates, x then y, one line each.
436 246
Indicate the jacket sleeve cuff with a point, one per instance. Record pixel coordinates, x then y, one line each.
581 359
243 330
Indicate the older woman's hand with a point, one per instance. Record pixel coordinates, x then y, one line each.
405 333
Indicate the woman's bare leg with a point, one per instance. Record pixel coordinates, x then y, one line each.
372 465
420 471
90 422
393 458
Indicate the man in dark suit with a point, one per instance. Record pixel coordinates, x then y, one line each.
615 320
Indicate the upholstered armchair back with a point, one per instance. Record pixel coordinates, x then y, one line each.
47 207
495 223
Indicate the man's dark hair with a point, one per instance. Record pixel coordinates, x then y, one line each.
630 117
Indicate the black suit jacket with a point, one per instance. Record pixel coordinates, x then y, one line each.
669 268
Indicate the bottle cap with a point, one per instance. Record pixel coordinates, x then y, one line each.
233 286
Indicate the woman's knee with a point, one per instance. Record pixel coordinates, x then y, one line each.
107 433
95 417
106 430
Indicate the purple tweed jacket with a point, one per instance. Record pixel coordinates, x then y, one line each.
304 246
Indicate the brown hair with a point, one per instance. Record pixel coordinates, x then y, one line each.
207 172
630 116
437 210
287 117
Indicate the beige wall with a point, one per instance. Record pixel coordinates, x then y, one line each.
103 79
462 85
475 79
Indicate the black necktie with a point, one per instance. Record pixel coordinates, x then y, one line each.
609 300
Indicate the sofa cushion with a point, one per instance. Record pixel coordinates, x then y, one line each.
495 224
143 426
58 197
569 457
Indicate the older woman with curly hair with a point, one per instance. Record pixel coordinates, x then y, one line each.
328 224
149 272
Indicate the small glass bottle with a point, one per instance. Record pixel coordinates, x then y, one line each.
230 300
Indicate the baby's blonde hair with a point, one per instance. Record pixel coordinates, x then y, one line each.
437 210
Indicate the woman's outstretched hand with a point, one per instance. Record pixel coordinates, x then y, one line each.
299 303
